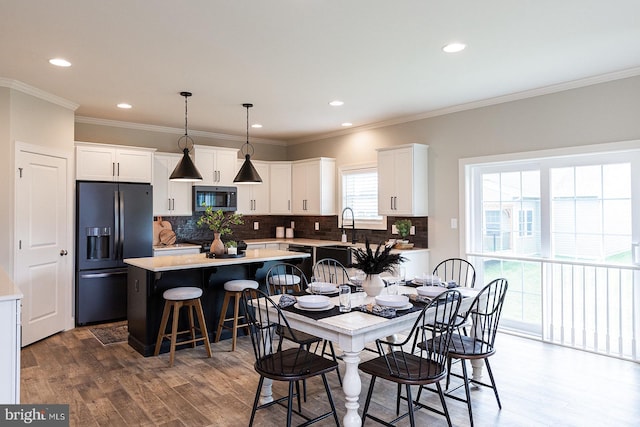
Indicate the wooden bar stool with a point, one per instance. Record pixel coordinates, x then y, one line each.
233 289
175 299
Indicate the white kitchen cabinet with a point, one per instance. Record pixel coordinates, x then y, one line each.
103 162
402 180
280 188
217 165
313 186
170 198
253 199
10 300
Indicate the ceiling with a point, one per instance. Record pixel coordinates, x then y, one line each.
291 57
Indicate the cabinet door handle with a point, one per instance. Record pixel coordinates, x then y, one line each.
288 205
113 169
391 202
395 203
173 204
169 207
118 168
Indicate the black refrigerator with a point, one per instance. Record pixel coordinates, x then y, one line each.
114 221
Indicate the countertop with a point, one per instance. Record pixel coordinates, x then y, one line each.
176 246
317 243
183 262
8 290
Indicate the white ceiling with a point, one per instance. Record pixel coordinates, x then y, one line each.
290 58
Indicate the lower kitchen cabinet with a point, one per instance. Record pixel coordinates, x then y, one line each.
10 303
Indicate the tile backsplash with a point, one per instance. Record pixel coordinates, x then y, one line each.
186 229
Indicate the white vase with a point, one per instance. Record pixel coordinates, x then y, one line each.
373 285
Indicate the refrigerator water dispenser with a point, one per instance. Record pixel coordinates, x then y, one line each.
98 239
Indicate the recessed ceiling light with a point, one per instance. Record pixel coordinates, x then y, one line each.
124 106
336 103
347 124
256 125
59 62
454 47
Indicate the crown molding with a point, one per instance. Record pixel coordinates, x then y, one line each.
546 90
38 93
172 130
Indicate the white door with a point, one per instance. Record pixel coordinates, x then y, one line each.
43 266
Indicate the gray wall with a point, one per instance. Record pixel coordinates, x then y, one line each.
606 112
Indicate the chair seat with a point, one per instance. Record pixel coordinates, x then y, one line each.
464 347
182 294
284 280
294 364
239 285
421 371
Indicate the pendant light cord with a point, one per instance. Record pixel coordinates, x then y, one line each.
247 145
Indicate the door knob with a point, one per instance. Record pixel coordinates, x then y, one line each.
63 252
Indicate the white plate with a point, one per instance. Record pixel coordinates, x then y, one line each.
313 301
322 293
430 291
393 301
328 307
405 307
323 287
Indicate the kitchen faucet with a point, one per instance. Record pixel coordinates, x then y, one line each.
353 224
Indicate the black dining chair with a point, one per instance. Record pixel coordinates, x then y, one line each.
457 270
404 363
268 326
484 316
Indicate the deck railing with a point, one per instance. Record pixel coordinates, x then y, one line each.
588 306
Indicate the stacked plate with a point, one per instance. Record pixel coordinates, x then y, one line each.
430 291
399 302
313 303
323 288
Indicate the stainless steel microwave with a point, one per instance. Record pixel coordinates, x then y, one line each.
218 198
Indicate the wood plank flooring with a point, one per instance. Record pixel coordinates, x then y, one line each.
539 385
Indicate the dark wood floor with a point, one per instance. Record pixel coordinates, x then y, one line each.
539 384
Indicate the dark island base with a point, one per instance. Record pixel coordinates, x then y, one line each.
145 302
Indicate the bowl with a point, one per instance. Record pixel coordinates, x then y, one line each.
395 301
313 301
323 287
430 291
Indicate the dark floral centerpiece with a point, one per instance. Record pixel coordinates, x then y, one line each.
373 263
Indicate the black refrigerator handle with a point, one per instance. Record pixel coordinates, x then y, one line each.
116 222
121 213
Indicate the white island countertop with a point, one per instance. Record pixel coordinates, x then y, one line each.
183 262
8 291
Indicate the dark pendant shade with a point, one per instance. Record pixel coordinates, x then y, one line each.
185 169
247 173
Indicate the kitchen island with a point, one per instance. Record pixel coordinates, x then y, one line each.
149 277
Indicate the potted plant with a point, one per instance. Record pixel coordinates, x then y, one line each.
373 263
232 247
220 224
404 228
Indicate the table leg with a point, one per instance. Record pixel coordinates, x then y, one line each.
351 386
266 395
476 370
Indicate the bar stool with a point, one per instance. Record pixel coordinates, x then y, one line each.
175 299
233 289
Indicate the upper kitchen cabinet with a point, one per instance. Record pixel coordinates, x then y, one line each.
402 180
103 162
216 165
313 186
253 199
280 188
170 198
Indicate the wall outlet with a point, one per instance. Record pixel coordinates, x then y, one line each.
454 223
256 225
317 226
394 230
293 224
412 230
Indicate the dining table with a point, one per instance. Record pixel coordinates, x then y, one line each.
351 331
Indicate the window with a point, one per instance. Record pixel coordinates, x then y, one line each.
359 191
525 223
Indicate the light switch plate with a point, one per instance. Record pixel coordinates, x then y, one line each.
293 224
412 230
394 230
256 225
317 226
454 223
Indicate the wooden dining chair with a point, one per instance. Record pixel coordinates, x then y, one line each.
292 365
484 316
457 270
406 364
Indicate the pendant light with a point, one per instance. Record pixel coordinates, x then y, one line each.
185 169
247 173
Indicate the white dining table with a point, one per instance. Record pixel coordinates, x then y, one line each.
351 331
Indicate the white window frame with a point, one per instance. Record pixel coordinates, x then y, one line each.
380 224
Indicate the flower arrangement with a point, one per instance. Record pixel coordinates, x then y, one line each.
377 262
218 222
